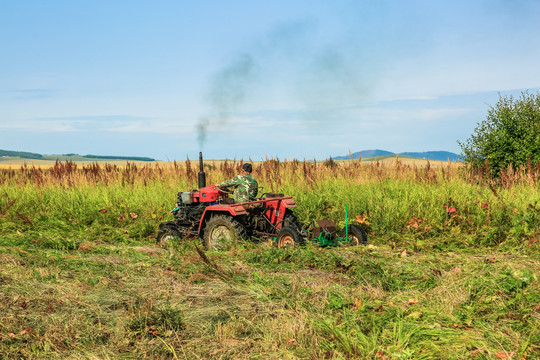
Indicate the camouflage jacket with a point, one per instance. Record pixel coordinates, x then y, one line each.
245 187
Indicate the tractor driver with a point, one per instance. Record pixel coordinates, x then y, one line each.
245 186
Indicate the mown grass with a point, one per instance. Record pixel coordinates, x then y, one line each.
451 271
342 303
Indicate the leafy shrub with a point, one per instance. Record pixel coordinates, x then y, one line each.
509 135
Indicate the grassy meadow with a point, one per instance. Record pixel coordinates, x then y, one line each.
451 270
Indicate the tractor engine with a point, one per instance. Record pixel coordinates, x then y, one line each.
191 205
188 213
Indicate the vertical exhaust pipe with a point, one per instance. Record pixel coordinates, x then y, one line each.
202 174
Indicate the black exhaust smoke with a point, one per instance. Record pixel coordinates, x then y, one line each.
202 174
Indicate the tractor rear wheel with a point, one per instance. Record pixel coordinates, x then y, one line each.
289 236
222 232
357 235
167 232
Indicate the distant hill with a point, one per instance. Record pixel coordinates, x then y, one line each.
21 154
430 155
134 158
433 155
71 157
364 154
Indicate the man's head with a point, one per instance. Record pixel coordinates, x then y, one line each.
247 168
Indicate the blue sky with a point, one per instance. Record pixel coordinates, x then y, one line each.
245 79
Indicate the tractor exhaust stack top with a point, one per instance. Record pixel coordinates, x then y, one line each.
202 174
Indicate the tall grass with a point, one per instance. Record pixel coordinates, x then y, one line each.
396 202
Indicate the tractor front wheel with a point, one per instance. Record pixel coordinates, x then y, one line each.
289 236
222 232
357 235
168 231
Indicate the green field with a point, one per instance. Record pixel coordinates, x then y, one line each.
451 270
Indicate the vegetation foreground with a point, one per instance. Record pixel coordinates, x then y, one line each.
451 271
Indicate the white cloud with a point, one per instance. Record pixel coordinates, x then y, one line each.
105 123
43 125
393 116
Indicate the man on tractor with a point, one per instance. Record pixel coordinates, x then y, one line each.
245 186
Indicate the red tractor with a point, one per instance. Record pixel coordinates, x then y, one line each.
211 214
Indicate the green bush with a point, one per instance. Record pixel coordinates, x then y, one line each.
509 135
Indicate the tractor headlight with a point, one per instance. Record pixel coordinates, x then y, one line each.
186 197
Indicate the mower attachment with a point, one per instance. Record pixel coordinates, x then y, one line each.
325 234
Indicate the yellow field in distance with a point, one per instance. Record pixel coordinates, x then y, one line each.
387 161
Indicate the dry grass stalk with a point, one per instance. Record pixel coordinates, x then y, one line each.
274 173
